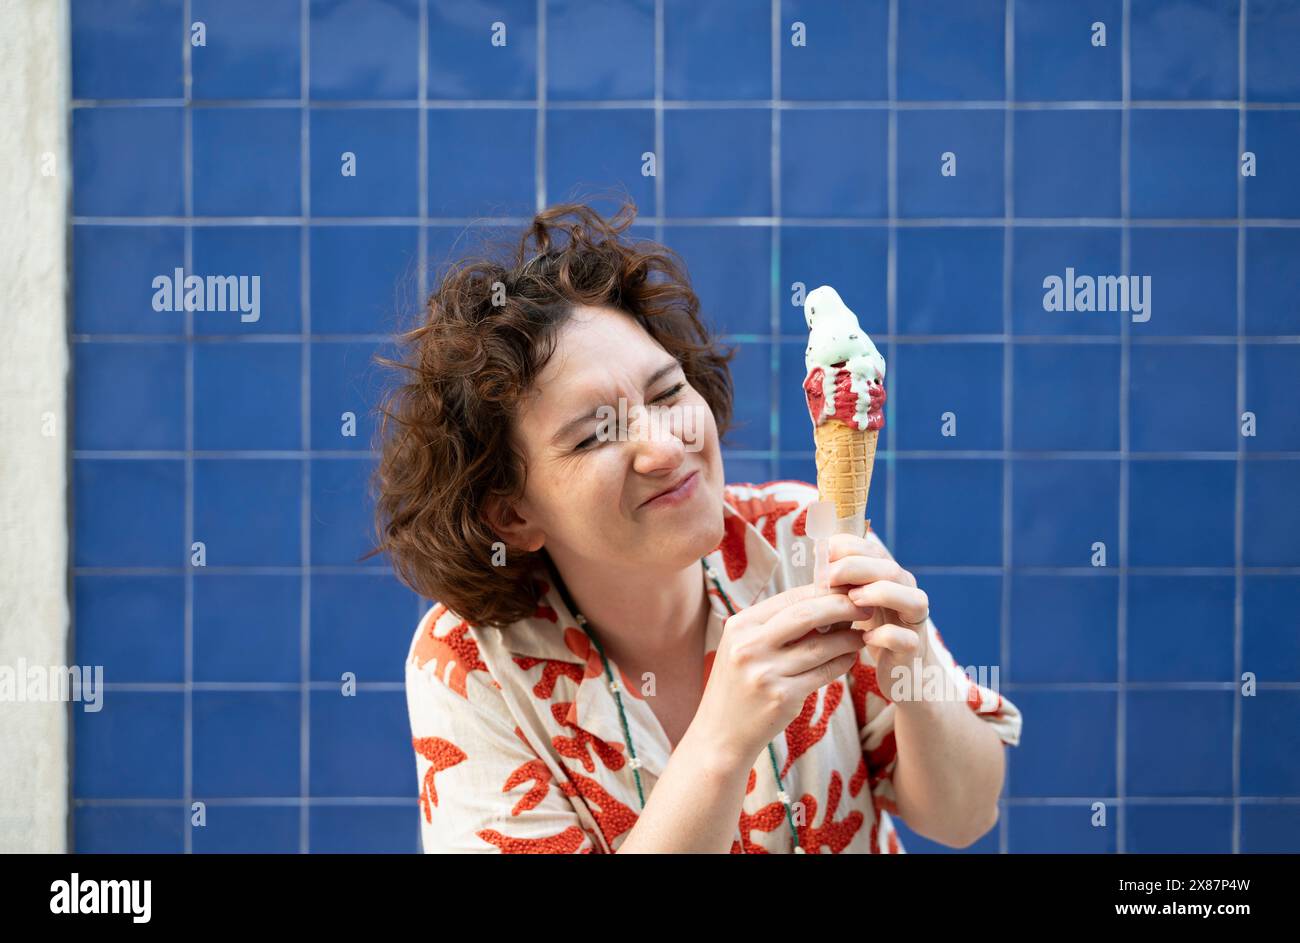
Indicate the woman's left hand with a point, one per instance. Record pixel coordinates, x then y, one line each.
873 578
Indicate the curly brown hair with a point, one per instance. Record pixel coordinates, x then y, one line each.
486 332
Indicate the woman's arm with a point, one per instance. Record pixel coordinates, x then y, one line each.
950 764
695 805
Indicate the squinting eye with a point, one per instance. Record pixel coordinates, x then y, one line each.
582 446
667 394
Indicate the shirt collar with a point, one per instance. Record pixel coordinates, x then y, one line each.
743 563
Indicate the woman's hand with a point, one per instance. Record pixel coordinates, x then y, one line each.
874 579
769 659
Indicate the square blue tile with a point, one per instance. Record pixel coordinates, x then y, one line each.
128 513
247 161
1176 398
739 469
1267 602
1083 642
975 141
717 163
1272 136
344 379
341 602
1057 58
113 268
751 371
382 176
363 278
247 628
1180 513
129 396
134 626
845 181
582 63
470 58
127 48
342 528
1060 829
952 49
365 829
931 381
1065 397
1061 508
127 161
247 397
1272 37
248 512
361 744
1180 628
852 259
246 744
366 51
129 829
253 49
245 829
1270 744
949 512
717 51
1039 253
967 611
489 171
1183 163
714 255
949 280
131 749
591 150
1272 291
1184 51
272 304
845 55
1193 280
1270 395
1067 163
1178 829
1270 828
1271 517
1072 753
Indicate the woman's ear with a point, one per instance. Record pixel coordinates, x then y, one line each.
517 533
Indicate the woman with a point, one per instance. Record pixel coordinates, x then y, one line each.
551 473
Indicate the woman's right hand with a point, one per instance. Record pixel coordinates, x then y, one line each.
770 658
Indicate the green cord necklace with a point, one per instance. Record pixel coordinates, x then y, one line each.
617 688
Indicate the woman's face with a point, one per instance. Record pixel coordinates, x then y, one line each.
612 423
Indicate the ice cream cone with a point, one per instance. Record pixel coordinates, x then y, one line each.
845 458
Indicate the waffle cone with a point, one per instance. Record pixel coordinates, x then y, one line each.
845 456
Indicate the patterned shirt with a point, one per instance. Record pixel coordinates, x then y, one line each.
519 746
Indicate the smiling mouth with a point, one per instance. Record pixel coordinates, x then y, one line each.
668 491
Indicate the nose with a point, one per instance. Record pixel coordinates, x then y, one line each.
657 440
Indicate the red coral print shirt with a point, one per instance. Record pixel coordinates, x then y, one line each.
518 746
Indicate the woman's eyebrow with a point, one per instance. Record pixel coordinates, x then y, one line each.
589 414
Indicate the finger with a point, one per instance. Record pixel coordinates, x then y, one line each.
842 545
858 569
898 639
823 674
764 609
808 653
796 619
912 604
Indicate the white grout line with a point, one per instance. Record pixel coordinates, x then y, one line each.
775 286
1008 377
187 157
542 104
811 222
304 664
891 281
1121 625
1238 535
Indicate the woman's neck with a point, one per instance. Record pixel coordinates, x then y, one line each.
640 617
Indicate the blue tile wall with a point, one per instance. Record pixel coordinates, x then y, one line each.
781 165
